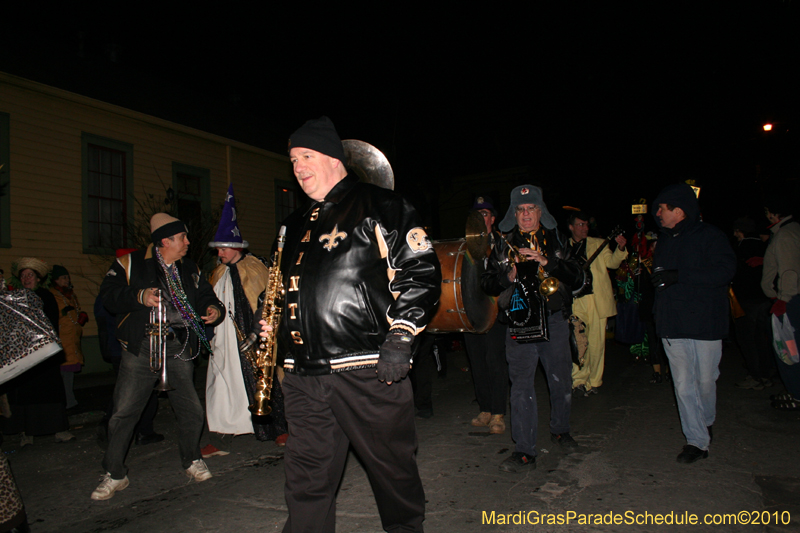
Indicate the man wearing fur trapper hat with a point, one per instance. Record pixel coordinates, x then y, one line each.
533 250
238 281
362 281
133 286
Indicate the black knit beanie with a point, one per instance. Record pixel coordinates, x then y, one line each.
59 271
319 135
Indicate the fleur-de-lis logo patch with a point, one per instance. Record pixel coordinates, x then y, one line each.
331 238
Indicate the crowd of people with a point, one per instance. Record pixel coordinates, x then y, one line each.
362 281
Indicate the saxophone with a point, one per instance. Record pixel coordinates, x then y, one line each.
250 353
267 352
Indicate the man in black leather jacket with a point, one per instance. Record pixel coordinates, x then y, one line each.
361 280
133 285
531 229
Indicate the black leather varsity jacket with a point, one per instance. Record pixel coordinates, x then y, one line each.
131 274
354 265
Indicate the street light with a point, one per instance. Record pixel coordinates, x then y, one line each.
767 127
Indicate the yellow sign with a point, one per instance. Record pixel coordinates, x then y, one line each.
639 209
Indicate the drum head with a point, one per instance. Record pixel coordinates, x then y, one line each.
463 306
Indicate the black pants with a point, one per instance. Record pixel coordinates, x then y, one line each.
754 338
421 374
487 357
145 425
328 413
133 390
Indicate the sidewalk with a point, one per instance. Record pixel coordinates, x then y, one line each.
629 433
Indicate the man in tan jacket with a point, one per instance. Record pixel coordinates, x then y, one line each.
595 308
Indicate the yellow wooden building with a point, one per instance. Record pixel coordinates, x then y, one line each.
76 172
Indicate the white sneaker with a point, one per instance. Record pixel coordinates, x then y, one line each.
107 487
198 471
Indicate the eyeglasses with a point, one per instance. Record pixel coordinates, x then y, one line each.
580 224
526 209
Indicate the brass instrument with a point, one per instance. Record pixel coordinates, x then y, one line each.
250 353
157 329
548 285
267 351
369 163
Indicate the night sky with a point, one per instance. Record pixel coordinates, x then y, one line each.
606 102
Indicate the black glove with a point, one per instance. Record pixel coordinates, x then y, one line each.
248 342
662 279
395 359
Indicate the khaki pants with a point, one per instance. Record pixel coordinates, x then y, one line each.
591 375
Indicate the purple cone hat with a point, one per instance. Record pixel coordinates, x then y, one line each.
228 233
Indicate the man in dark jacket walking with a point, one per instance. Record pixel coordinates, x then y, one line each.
693 265
135 284
362 280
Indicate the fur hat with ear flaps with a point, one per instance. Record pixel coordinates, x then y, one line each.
526 194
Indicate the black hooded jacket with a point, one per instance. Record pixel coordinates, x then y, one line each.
696 307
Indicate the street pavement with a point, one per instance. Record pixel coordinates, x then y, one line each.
629 435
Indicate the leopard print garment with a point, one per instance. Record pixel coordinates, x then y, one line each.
10 500
24 328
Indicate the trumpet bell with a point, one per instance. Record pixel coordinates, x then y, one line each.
163 385
548 286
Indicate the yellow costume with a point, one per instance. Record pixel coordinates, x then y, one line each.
594 309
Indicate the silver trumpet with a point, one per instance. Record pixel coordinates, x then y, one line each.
158 331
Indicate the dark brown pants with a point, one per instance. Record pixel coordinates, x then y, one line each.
326 414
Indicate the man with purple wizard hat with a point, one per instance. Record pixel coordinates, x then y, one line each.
239 280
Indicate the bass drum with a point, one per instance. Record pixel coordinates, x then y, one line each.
463 306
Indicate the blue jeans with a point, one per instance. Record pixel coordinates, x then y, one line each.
135 384
557 362
695 369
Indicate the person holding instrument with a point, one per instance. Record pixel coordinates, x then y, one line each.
596 306
532 243
361 279
239 281
487 352
134 285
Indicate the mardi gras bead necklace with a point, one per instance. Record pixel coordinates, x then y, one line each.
189 316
